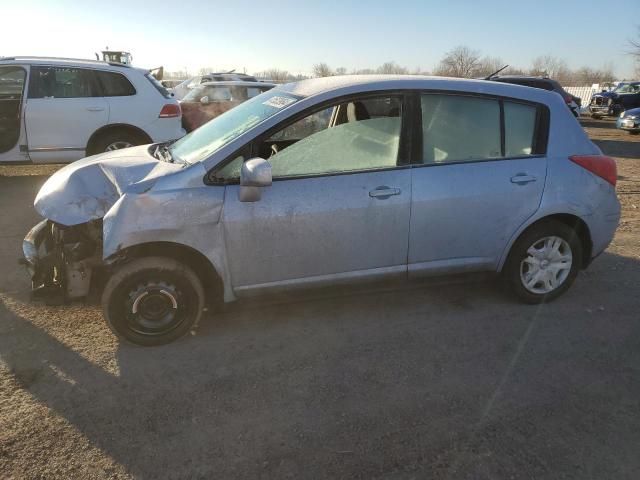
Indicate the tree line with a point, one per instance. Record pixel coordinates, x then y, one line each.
465 62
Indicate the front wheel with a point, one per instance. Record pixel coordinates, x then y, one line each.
153 301
544 262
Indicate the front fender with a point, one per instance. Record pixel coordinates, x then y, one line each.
186 216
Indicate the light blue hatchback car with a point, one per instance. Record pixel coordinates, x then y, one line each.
325 182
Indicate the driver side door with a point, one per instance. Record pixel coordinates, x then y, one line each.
338 208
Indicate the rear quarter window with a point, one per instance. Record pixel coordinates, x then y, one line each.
114 84
158 86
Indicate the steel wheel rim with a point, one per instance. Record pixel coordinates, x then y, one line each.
155 308
547 265
118 146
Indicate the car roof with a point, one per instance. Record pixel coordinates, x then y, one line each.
77 62
352 84
239 83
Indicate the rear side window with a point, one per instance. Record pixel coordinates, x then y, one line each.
114 84
62 82
458 128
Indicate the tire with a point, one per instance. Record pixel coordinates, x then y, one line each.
115 140
522 265
596 117
153 301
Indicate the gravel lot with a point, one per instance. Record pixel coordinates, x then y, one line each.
450 381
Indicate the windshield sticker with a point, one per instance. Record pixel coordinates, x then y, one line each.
278 102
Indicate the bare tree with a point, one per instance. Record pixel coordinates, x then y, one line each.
363 71
390 68
341 71
589 76
635 50
459 62
322 70
550 66
487 66
205 70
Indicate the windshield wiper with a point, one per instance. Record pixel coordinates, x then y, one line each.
163 153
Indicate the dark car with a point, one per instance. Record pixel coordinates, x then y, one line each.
629 120
624 97
208 100
574 103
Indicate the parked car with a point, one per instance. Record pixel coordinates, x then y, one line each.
624 97
60 110
181 90
328 182
630 121
574 103
208 100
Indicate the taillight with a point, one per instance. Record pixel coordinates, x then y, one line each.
170 110
600 165
568 99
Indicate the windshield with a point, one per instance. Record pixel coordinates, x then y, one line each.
628 88
220 131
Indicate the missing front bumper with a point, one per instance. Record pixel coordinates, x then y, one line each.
61 259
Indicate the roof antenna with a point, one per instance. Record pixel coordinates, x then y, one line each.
489 77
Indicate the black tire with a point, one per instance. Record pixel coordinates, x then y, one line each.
635 133
153 301
516 268
596 117
107 140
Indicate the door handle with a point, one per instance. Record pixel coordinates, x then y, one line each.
523 179
95 109
383 192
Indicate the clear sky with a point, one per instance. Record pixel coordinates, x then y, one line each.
293 35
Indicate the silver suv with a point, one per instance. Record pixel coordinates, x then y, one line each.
329 182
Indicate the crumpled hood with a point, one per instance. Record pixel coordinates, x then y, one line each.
85 190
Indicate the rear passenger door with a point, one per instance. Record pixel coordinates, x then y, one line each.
480 173
63 110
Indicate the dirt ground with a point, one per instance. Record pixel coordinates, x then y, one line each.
451 381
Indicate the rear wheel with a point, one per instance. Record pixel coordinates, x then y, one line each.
153 301
115 140
544 262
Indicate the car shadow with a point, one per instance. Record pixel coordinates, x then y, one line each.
350 385
593 123
619 148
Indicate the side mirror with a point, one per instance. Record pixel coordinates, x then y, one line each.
255 174
204 100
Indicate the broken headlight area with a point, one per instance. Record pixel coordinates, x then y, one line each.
61 259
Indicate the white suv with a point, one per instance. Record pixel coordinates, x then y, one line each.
61 110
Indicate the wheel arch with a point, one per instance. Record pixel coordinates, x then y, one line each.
114 127
203 267
572 221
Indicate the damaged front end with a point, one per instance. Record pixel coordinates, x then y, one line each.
62 259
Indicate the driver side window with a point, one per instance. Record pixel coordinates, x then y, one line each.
356 135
